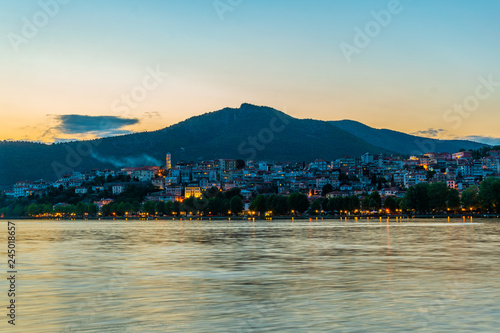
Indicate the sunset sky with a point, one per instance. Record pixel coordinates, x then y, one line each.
423 67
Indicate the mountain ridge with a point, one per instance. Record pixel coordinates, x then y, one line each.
247 132
401 142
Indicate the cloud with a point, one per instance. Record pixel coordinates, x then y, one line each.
431 132
488 140
151 115
94 125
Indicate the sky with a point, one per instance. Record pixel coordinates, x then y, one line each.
422 67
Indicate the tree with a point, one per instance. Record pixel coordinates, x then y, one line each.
211 193
136 207
336 204
270 201
33 210
176 208
298 202
81 209
161 207
231 193
470 197
169 208
128 208
259 204
5 211
93 209
280 205
326 189
365 203
375 201
430 174
240 164
188 205
202 205
47 209
489 194
438 195
69 209
120 209
106 210
316 206
236 205
391 204
112 208
453 201
417 198
353 203
217 206
149 207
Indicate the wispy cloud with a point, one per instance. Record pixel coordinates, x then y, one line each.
127 161
431 132
151 115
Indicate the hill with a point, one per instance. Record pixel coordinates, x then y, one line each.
403 143
248 132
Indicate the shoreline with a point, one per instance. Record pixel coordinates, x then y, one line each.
248 218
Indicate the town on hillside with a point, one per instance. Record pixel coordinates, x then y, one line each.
170 185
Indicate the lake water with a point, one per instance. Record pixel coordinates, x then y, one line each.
262 276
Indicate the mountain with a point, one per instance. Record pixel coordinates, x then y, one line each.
403 143
248 132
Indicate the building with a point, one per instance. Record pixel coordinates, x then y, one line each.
367 158
81 190
414 178
173 191
168 164
159 182
144 175
227 164
98 188
192 191
117 189
462 155
345 162
103 202
478 169
451 184
319 165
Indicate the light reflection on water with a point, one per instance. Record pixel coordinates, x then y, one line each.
239 276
